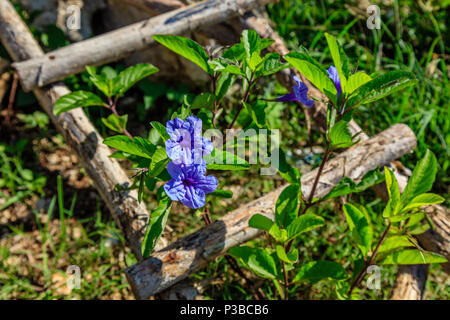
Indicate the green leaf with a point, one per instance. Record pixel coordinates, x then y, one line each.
260 222
360 227
265 43
187 48
118 124
414 219
102 82
271 64
137 146
313 73
422 177
281 254
222 193
235 52
423 199
394 242
277 233
224 82
335 54
347 186
130 76
303 223
77 99
356 80
393 205
234 70
251 42
346 67
293 255
381 87
224 160
257 260
158 220
255 61
287 172
286 207
261 263
257 112
161 129
204 100
318 270
159 161
340 135
412 256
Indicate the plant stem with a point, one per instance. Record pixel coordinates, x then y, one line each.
368 263
286 282
244 100
319 173
308 203
12 96
214 86
112 107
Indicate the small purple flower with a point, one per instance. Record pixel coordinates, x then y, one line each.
299 94
189 184
186 144
333 75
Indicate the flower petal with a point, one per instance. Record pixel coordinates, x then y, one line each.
175 170
194 198
195 171
301 92
177 153
175 189
287 97
171 125
208 184
194 125
333 75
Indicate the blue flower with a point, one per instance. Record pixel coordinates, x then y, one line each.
299 94
186 144
333 75
189 184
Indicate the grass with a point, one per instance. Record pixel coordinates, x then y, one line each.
412 38
71 230
34 265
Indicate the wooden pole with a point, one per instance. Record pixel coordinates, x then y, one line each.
79 133
193 252
112 46
410 282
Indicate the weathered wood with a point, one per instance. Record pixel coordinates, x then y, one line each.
437 239
172 66
112 46
4 84
410 282
73 17
155 7
191 253
79 133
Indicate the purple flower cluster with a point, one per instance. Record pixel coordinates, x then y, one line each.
333 75
300 94
186 148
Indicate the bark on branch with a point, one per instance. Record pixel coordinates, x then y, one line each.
193 252
79 133
112 46
410 282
